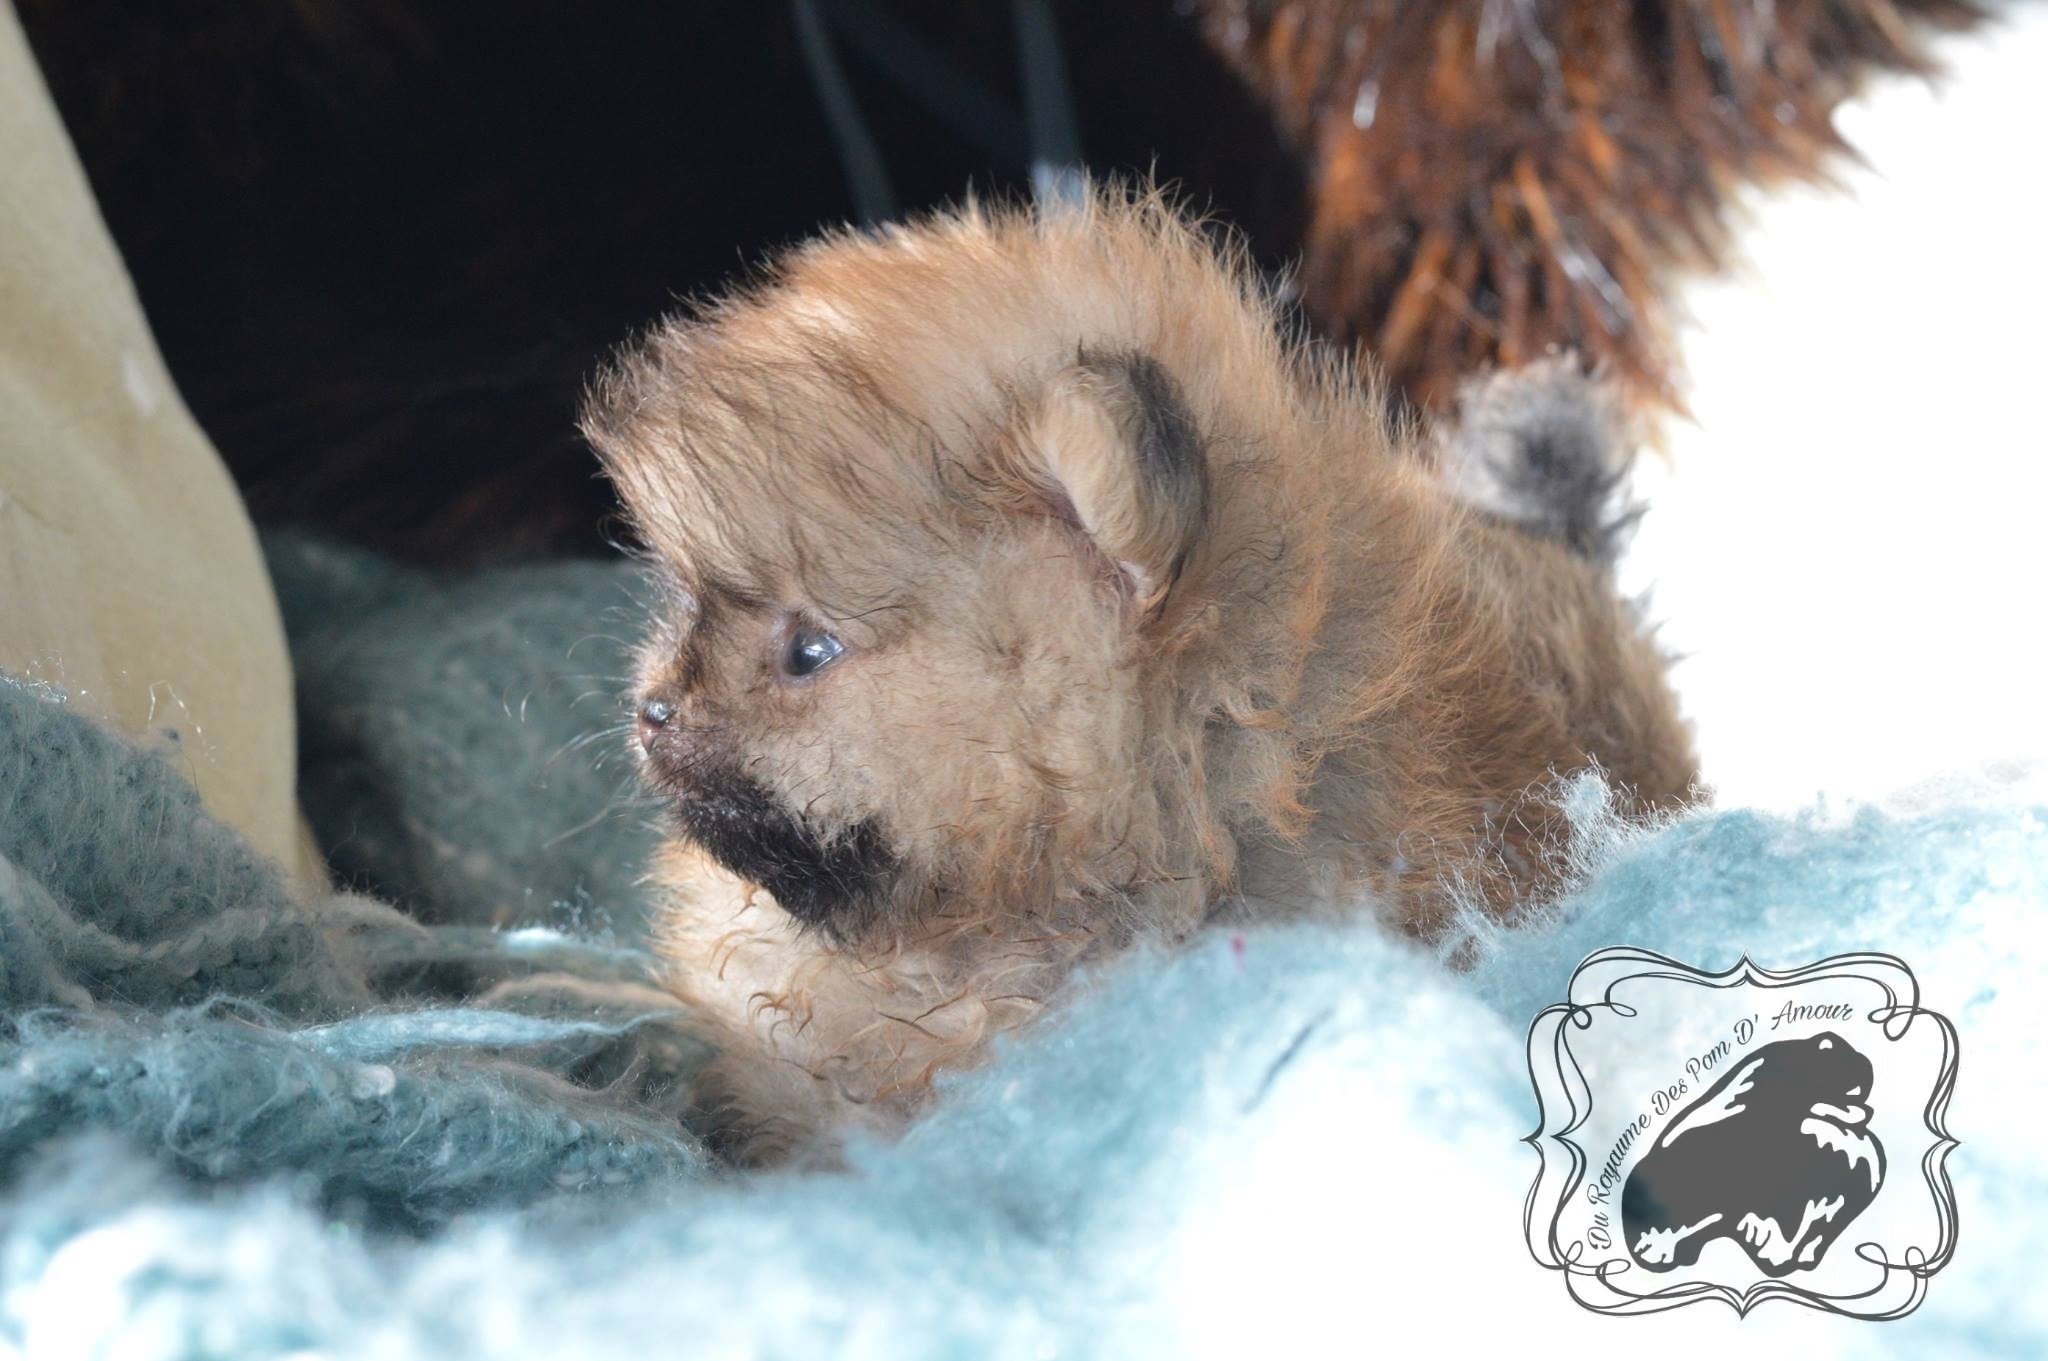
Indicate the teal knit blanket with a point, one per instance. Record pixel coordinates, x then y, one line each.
436 1115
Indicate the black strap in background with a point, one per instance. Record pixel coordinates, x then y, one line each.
1045 136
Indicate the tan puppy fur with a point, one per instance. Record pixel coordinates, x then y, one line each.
1144 617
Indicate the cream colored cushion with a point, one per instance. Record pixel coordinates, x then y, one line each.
129 572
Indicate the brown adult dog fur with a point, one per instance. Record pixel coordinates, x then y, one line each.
1146 616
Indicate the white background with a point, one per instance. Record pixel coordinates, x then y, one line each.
1849 545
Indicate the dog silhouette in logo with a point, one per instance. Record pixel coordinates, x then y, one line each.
1777 1156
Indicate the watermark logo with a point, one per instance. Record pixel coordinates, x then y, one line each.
1743 1136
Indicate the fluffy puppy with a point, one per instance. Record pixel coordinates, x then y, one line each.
1031 592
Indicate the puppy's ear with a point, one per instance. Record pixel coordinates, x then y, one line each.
1110 446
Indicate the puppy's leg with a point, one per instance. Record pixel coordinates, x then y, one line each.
814 1041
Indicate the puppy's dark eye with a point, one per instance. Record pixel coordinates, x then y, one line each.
810 651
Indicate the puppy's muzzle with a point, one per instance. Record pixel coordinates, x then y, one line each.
832 878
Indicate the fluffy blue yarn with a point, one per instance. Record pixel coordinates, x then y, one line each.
113 880
461 741
1299 1138
157 981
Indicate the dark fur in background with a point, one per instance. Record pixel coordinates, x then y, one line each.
1496 179
384 242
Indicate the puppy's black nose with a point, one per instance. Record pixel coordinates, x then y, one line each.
654 716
